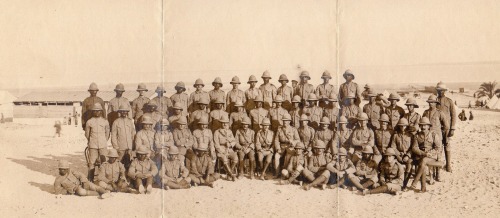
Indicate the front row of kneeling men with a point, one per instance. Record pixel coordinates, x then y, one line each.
363 164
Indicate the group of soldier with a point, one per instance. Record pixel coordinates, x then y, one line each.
304 133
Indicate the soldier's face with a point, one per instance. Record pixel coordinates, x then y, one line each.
164 127
389 158
93 93
424 127
111 159
324 126
147 126
180 90
394 102
171 157
177 111
119 93
432 104
286 122
204 126
318 151
372 99
366 156
202 106
252 84
123 113
343 126
141 92
362 123
303 79
351 101
441 92
402 128
216 85
182 126
326 80
283 82
96 113
266 80
63 171
265 127
410 107
296 104
152 108
304 123
245 126
312 103
383 125
240 109
201 153
225 125
298 151
141 157
259 104
342 158
349 78
198 87
278 104
219 106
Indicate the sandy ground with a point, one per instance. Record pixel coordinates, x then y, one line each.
29 155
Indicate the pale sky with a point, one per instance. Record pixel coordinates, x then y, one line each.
68 43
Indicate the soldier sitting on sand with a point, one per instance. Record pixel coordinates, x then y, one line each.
70 182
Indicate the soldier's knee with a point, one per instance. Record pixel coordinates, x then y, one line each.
81 191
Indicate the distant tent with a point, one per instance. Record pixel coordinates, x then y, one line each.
492 102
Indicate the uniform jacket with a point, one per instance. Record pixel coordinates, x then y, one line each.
394 114
172 170
183 138
257 115
347 89
264 140
250 95
111 172
325 90
164 104
114 105
181 98
214 95
138 107
201 166
391 174
68 183
268 94
145 138
303 90
428 145
383 140
97 132
123 133
374 112
448 108
194 98
285 136
147 167
245 140
87 105
306 135
232 97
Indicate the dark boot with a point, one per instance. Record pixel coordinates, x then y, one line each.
378 190
241 169
229 172
252 168
406 179
448 161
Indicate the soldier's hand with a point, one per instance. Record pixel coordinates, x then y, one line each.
451 133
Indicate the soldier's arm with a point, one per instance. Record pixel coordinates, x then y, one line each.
102 175
154 169
400 176
277 144
331 167
237 139
122 172
58 188
114 135
217 142
350 167
87 131
289 167
163 175
415 149
137 140
371 139
252 136
445 122
453 115
355 140
257 142
107 130
130 114
131 170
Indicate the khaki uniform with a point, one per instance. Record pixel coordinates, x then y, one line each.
138 106
306 135
286 93
202 168
315 114
413 120
232 97
112 173
145 138
295 114
163 140
347 89
181 98
87 105
194 98
394 114
173 119
155 116
316 166
225 142
204 137
122 136
235 120
382 140
343 139
257 115
448 108
392 176
303 90
438 120
245 147
374 112
69 183
333 115
97 132
197 116
268 93
264 145
351 112
114 105
325 90
361 138
184 140
173 171
250 95
146 167
296 166
215 117
214 95
365 172
164 105
326 136
401 143
427 145
286 138
276 117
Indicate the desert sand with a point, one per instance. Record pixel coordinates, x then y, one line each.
29 155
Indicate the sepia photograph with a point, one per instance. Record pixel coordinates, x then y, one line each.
224 108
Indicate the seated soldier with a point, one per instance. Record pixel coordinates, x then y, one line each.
184 140
224 142
332 111
361 137
70 182
142 170
428 148
382 135
316 171
201 170
313 111
340 170
326 135
306 134
173 173
391 175
296 111
112 174
295 166
203 136
200 113
401 143
264 146
217 114
343 136
366 174
245 147
163 141
285 140
276 113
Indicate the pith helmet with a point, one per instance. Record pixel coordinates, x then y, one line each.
412 101
425 121
173 150
93 87
203 121
152 104
304 117
252 78
296 99
319 144
246 120
390 152
217 80
300 145
238 103
266 74
367 150
97 107
342 119
312 97
147 120
286 117
204 100
394 96
348 72
119 88
283 77
63 164
180 85
112 153
266 122
362 116
441 86
198 82
367 86
142 87
235 80
160 88
177 106
224 119
219 101
182 120
371 93
164 122
278 99
325 120
142 150
342 152
403 122
123 108
304 74
384 118
326 74
432 98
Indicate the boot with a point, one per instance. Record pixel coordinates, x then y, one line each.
448 161
241 169
252 168
229 172
263 174
90 174
406 179
423 183
380 189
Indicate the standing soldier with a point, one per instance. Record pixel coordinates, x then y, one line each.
237 117
217 94
173 173
164 103
313 111
401 143
180 96
112 174
350 111
284 142
264 146
235 95
349 89
217 114
245 147
343 136
361 137
70 182
436 116
251 94
316 171
204 137
294 84
184 140
178 112
139 104
304 88
268 90
286 92
224 144
373 110
325 135
116 102
258 114
122 136
89 103
412 116
142 171
296 111
200 113
201 170
97 133
332 111
306 134
383 137
448 108
277 114
390 177
326 89
364 94
146 136
197 95
394 111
